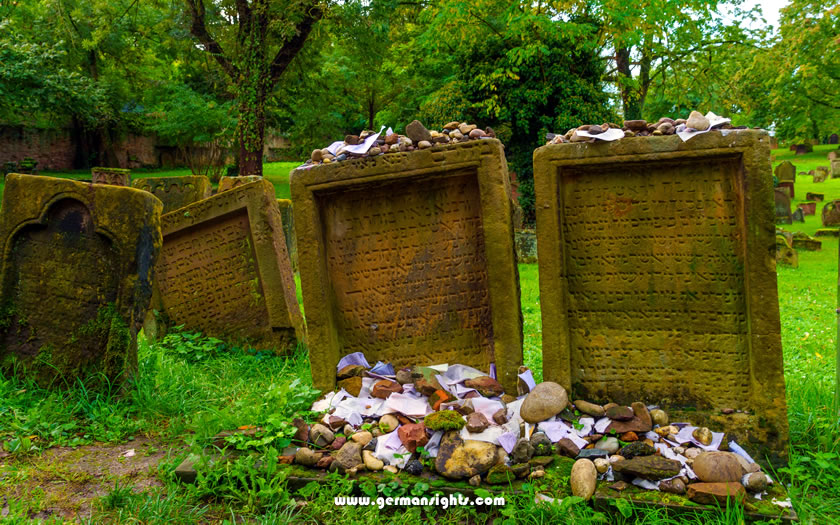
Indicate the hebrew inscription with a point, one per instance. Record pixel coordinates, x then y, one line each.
654 265
208 277
408 271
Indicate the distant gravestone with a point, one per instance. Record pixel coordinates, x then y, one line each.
785 172
835 169
76 278
112 176
827 232
674 305
782 206
803 241
774 143
798 215
803 149
526 246
833 138
808 208
176 192
787 187
818 197
288 218
832 155
409 258
831 213
785 253
820 174
224 269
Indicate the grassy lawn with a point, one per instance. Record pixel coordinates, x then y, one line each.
69 448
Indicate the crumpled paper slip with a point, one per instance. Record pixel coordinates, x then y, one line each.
353 417
364 146
602 424
607 136
407 405
330 400
513 410
356 358
528 378
433 446
490 435
669 453
508 440
383 369
588 423
361 406
488 407
653 436
367 385
388 447
685 436
714 121
557 430
736 448
646 484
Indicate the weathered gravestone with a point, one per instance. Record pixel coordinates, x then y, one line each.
526 246
785 172
831 213
76 277
798 215
175 192
782 207
657 280
833 138
774 143
787 187
785 254
112 176
832 155
808 208
409 258
827 232
224 269
818 197
820 174
835 169
802 149
803 241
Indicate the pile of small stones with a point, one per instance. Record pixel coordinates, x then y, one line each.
416 137
638 128
635 445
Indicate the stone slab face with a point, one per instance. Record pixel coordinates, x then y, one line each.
831 213
112 176
526 246
787 187
228 183
409 258
652 286
224 270
781 204
808 208
785 171
76 275
176 192
835 168
288 218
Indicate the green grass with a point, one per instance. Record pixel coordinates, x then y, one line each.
276 172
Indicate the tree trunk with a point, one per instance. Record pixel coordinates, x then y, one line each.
630 99
251 133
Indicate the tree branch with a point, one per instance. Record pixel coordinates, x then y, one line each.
287 53
820 102
199 31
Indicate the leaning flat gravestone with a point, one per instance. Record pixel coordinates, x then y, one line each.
657 279
786 171
782 206
288 218
112 176
176 192
818 197
228 183
831 213
409 258
224 270
76 277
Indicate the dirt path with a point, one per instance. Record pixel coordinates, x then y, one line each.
66 482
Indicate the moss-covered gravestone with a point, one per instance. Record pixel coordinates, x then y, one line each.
409 258
224 269
77 271
288 218
658 281
785 172
112 176
176 192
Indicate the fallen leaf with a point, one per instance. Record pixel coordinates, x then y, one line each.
246 427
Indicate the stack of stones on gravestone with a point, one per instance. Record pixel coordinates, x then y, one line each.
616 336
526 246
808 208
811 196
831 213
112 176
76 278
609 131
785 172
176 192
224 269
409 257
785 253
782 207
371 144
803 241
